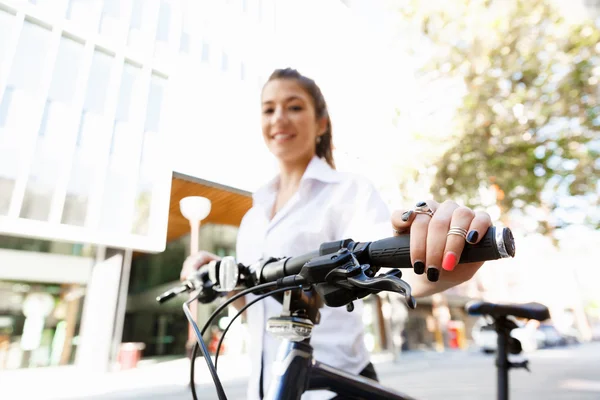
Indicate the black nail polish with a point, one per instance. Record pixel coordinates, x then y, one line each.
406 215
472 237
421 204
419 267
433 274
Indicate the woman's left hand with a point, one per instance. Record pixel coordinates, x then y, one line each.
435 251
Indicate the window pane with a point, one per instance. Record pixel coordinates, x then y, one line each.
161 45
147 175
48 161
30 59
66 70
23 85
136 14
119 189
6 187
205 52
83 12
91 131
143 202
51 7
38 194
44 122
98 81
164 20
109 19
143 196
9 150
142 19
260 10
224 62
111 8
117 202
128 79
184 45
6 24
87 157
154 108
5 106
78 190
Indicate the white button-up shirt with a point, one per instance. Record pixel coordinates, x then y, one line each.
329 205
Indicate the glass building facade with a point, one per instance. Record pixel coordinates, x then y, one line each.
80 119
84 86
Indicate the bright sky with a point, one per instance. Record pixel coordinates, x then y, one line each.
361 79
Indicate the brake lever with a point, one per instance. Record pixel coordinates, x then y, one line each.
385 282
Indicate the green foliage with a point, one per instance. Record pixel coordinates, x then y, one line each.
530 119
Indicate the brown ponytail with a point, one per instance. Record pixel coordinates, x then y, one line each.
324 147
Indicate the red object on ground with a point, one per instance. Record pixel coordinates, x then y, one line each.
129 355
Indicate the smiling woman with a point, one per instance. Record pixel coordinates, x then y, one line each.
306 204
309 203
296 127
295 117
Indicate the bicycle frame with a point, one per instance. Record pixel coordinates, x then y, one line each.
296 371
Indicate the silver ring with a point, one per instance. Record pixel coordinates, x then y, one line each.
426 212
423 208
458 231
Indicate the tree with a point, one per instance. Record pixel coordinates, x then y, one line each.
528 127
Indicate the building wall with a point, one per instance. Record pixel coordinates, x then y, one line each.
80 120
83 100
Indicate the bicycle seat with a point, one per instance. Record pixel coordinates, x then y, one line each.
535 311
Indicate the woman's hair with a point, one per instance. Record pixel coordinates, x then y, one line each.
324 147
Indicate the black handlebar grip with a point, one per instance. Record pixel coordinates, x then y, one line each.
285 267
394 252
168 295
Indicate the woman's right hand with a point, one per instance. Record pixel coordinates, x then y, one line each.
195 261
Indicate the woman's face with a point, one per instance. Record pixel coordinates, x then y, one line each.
289 123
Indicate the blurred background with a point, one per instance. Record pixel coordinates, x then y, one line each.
113 111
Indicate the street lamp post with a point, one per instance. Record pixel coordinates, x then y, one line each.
194 209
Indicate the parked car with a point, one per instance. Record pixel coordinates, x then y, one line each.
548 336
485 336
596 331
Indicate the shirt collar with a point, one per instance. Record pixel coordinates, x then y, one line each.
317 170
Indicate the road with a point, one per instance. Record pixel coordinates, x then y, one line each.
556 374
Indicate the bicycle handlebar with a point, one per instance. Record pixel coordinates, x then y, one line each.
341 271
393 252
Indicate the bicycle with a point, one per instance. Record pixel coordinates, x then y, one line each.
336 275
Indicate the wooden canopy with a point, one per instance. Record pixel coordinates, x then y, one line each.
228 204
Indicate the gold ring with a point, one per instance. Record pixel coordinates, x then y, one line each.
458 231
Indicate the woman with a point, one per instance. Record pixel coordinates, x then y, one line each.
309 203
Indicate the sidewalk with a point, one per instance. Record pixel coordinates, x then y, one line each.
66 383
69 383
